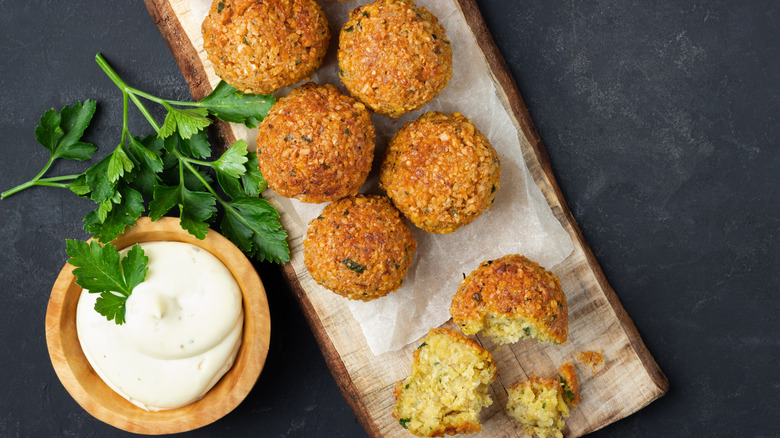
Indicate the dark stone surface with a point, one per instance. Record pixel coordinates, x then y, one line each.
661 122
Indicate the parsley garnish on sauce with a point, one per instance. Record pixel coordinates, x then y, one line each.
99 270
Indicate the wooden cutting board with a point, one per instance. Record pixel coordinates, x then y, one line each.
630 378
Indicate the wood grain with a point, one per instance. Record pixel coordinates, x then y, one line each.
628 381
89 390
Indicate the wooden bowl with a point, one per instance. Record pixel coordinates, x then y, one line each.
89 390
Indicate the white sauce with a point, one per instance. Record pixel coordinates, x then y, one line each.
182 331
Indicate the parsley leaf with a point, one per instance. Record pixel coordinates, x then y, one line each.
123 213
249 183
60 133
48 133
253 225
146 173
184 121
195 207
145 156
253 181
197 145
100 187
74 121
118 163
99 270
231 163
230 105
165 198
79 186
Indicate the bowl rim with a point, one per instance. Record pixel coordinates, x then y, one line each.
98 399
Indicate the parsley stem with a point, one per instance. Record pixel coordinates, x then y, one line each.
17 189
122 85
162 101
37 181
124 118
43 171
61 178
151 97
126 89
144 111
184 160
51 184
198 162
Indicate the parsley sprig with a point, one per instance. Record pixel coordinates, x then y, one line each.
99 270
170 169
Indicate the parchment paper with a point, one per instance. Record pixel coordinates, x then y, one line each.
520 222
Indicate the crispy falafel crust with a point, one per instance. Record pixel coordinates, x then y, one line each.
447 387
359 247
261 46
441 172
316 144
394 56
514 295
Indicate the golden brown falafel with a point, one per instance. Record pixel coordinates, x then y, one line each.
394 56
316 144
261 46
441 172
359 247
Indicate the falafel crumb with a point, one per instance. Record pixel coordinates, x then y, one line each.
593 359
570 386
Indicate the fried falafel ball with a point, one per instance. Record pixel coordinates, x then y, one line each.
316 144
441 172
512 298
448 386
359 247
394 56
261 46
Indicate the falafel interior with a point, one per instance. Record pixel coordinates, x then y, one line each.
448 386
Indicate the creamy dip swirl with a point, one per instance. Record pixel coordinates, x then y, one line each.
182 331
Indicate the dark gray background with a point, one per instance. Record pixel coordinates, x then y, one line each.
661 122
